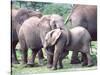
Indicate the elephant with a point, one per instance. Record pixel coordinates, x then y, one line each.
86 16
32 34
18 16
76 39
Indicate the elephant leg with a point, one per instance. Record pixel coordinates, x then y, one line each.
65 53
24 56
14 57
86 51
62 56
89 60
50 57
49 60
55 60
41 57
32 59
74 58
84 59
13 54
60 63
57 53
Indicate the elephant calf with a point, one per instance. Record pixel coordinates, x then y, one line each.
76 39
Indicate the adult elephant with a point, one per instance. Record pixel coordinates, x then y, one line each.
86 16
18 16
32 34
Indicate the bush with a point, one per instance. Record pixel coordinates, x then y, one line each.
61 9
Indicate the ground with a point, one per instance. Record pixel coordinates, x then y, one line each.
20 69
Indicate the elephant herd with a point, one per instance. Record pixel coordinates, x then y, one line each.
34 30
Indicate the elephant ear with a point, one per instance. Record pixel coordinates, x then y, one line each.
22 15
44 21
55 35
56 21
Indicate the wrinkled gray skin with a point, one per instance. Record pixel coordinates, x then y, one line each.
86 16
32 34
18 16
76 39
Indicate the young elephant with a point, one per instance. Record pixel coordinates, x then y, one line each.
75 39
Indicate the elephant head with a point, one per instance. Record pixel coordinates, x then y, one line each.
53 21
56 21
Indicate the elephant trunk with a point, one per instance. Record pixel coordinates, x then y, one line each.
45 45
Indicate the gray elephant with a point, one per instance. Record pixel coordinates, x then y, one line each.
76 39
18 16
32 34
86 16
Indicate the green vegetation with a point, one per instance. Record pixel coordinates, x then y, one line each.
45 8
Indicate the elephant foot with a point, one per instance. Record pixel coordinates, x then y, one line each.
89 65
30 65
60 67
44 59
49 66
41 62
23 62
54 68
75 61
15 62
84 64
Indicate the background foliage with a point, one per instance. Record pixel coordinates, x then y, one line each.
45 8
